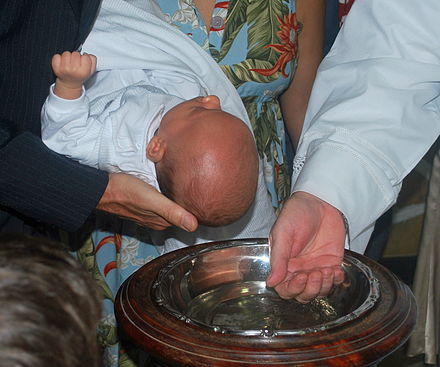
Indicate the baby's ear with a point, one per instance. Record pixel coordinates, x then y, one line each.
156 149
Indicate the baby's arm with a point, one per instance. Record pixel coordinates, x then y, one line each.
66 126
72 69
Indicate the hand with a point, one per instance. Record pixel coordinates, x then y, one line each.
131 198
307 248
72 69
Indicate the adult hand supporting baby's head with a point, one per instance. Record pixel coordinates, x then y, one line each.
133 199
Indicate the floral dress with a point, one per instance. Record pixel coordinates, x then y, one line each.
255 44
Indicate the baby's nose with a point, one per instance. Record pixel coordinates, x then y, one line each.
212 102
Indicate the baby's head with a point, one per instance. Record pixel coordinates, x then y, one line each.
206 161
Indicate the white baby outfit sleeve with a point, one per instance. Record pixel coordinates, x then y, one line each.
67 129
110 133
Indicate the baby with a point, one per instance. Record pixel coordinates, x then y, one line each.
201 157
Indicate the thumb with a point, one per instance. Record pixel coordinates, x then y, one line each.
93 63
178 216
279 257
188 222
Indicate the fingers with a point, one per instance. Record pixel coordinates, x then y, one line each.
131 198
339 275
73 65
279 256
158 212
56 62
312 288
176 215
165 219
292 287
304 287
65 62
284 242
328 277
92 63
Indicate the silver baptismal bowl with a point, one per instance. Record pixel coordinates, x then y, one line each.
208 305
223 288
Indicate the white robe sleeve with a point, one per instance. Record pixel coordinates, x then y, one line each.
374 109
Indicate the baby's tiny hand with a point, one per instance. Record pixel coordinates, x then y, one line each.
72 69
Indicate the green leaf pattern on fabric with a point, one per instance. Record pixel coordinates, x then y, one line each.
235 20
86 256
263 28
240 73
261 20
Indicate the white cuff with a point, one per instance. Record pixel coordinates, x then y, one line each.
61 104
341 178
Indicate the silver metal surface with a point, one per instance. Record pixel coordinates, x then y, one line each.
222 288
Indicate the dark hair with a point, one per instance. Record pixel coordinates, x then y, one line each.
50 306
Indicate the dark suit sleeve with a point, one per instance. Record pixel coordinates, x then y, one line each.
35 181
45 186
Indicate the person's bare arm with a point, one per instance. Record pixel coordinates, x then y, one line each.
310 52
131 198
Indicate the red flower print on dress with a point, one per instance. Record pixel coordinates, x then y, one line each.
115 240
286 48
